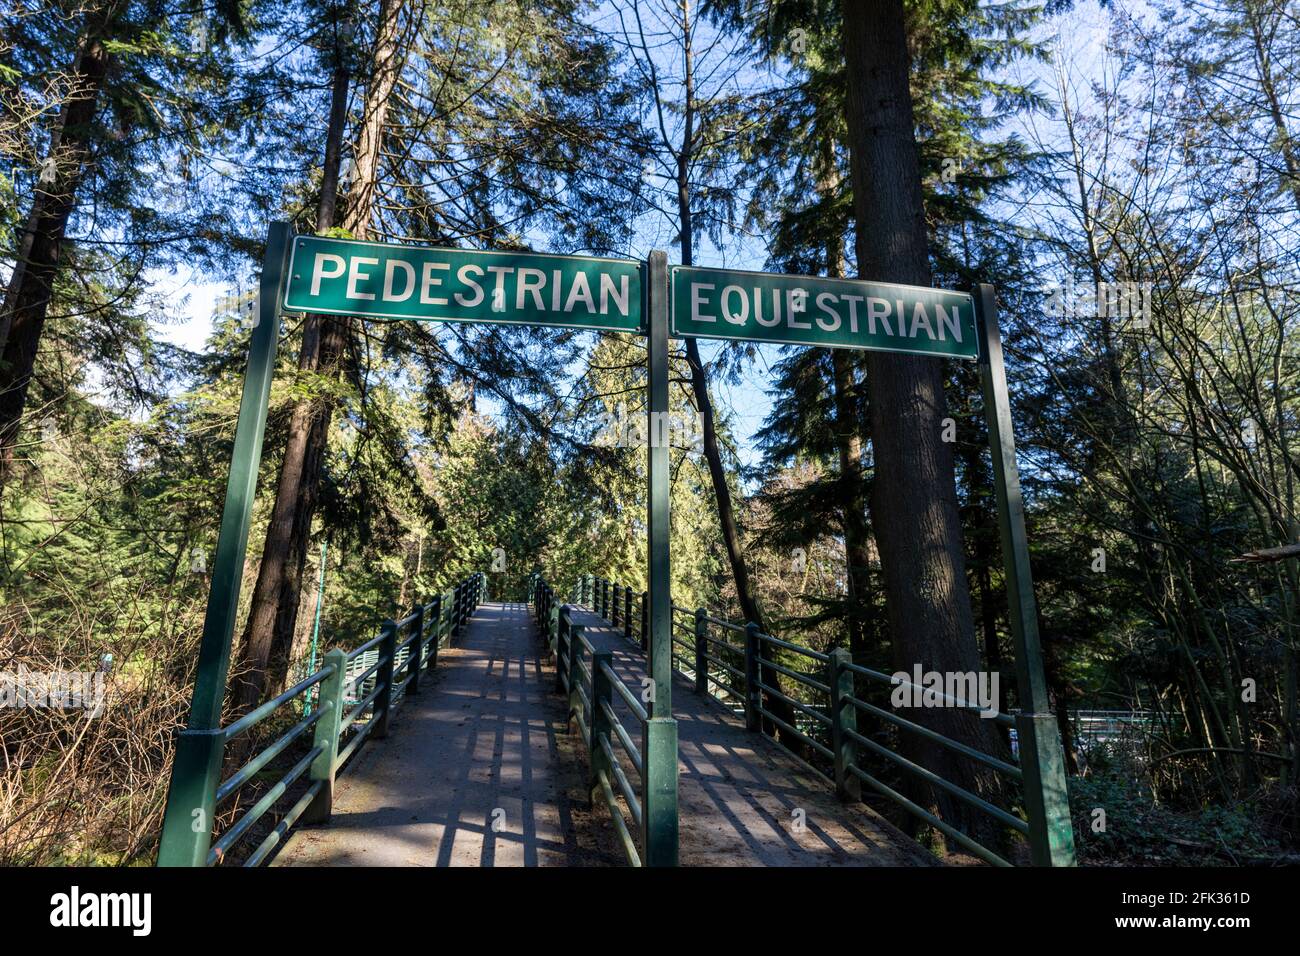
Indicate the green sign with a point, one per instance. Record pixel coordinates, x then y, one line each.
386 281
811 310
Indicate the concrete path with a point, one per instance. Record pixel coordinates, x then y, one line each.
744 801
476 771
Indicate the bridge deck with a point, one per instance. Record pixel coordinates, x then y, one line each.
489 735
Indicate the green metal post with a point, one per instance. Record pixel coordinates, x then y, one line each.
561 650
701 648
598 721
844 719
417 648
659 792
434 614
1051 838
753 696
659 741
574 652
388 657
326 737
196 767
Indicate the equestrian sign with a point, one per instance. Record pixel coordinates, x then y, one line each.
812 310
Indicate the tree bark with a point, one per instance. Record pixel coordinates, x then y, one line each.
40 246
914 499
273 613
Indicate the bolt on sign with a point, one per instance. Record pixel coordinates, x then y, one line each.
812 310
384 281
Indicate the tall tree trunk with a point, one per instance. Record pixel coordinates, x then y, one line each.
273 614
914 498
40 246
704 404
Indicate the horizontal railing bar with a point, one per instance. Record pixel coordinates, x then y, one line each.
245 773
820 748
407 621
625 692
1005 720
623 736
353 744
255 813
1010 769
629 794
740 628
808 651
815 714
727 687
725 666
355 712
368 645
361 678
259 714
795 675
289 819
978 849
959 792
629 845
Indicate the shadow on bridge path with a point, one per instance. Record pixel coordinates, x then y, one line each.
488 776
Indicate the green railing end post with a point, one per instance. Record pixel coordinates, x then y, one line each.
1047 801
384 702
753 696
844 717
659 792
326 736
701 648
191 798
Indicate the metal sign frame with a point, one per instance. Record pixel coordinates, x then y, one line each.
196 768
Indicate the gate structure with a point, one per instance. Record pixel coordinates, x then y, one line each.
399 282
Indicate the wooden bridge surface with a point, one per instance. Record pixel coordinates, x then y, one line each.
481 770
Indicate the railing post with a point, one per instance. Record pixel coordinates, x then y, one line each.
844 717
575 651
614 606
417 649
192 798
598 721
562 620
753 696
627 613
384 702
434 614
659 792
645 624
701 648
326 736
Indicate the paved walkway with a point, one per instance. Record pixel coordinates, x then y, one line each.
742 800
476 770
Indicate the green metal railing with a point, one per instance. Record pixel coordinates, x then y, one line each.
356 694
597 696
726 662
